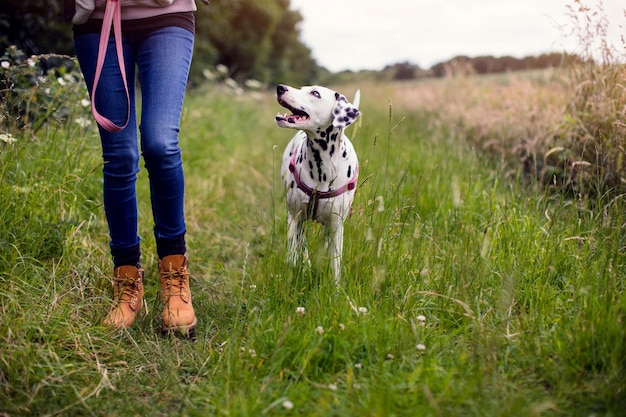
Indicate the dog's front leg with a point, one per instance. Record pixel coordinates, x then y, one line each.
296 240
335 243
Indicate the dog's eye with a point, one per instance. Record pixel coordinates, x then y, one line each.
316 94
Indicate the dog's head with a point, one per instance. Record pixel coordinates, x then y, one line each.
314 107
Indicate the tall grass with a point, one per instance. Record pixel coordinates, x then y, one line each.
463 293
596 132
564 127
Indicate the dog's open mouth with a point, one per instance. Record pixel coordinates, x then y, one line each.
297 115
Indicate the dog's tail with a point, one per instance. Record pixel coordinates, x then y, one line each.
357 98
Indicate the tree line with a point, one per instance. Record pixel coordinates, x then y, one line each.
463 65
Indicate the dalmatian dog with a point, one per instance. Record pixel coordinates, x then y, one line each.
320 167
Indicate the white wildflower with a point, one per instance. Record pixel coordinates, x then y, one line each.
253 84
5 64
287 405
7 138
457 199
332 387
300 310
83 121
342 327
390 356
61 81
23 190
208 74
231 83
421 319
222 69
417 231
319 329
358 365
252 287
420 346
381 203
84 102
362 310
31 62
485 247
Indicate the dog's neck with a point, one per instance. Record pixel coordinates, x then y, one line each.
325 141
322 147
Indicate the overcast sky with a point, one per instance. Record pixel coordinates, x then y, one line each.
370 34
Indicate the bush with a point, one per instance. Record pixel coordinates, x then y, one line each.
38 89
44 112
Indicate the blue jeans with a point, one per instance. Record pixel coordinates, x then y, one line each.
162 58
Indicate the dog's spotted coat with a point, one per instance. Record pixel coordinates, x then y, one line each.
320 165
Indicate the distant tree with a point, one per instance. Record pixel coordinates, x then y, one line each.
291 60
405 71
254 38
462 65
240 32
35 27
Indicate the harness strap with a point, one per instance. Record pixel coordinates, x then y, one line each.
314 194
112 17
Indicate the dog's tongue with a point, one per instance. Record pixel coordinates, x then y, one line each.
290 118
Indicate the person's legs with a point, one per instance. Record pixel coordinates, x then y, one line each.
120 155
163 59
120 151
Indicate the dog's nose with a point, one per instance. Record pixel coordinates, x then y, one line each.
280 90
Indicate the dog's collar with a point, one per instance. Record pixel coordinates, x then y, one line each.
314 194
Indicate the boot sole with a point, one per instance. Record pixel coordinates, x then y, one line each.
188 331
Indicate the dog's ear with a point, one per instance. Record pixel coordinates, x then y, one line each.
344 112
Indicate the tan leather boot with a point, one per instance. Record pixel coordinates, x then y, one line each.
128 296
178 314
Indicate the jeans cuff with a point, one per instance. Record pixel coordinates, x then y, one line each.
126 256
171 246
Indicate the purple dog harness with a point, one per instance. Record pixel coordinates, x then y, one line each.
316 195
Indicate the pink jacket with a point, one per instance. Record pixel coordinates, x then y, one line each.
139 9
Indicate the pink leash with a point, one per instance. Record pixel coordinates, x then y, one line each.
112 16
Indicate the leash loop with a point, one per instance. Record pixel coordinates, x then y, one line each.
112 17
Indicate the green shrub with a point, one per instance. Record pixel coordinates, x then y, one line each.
44 119
38 89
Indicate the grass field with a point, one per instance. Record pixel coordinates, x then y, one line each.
466 291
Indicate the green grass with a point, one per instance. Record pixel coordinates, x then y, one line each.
522 291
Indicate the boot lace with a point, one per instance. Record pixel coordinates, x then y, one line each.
175 282
127 290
